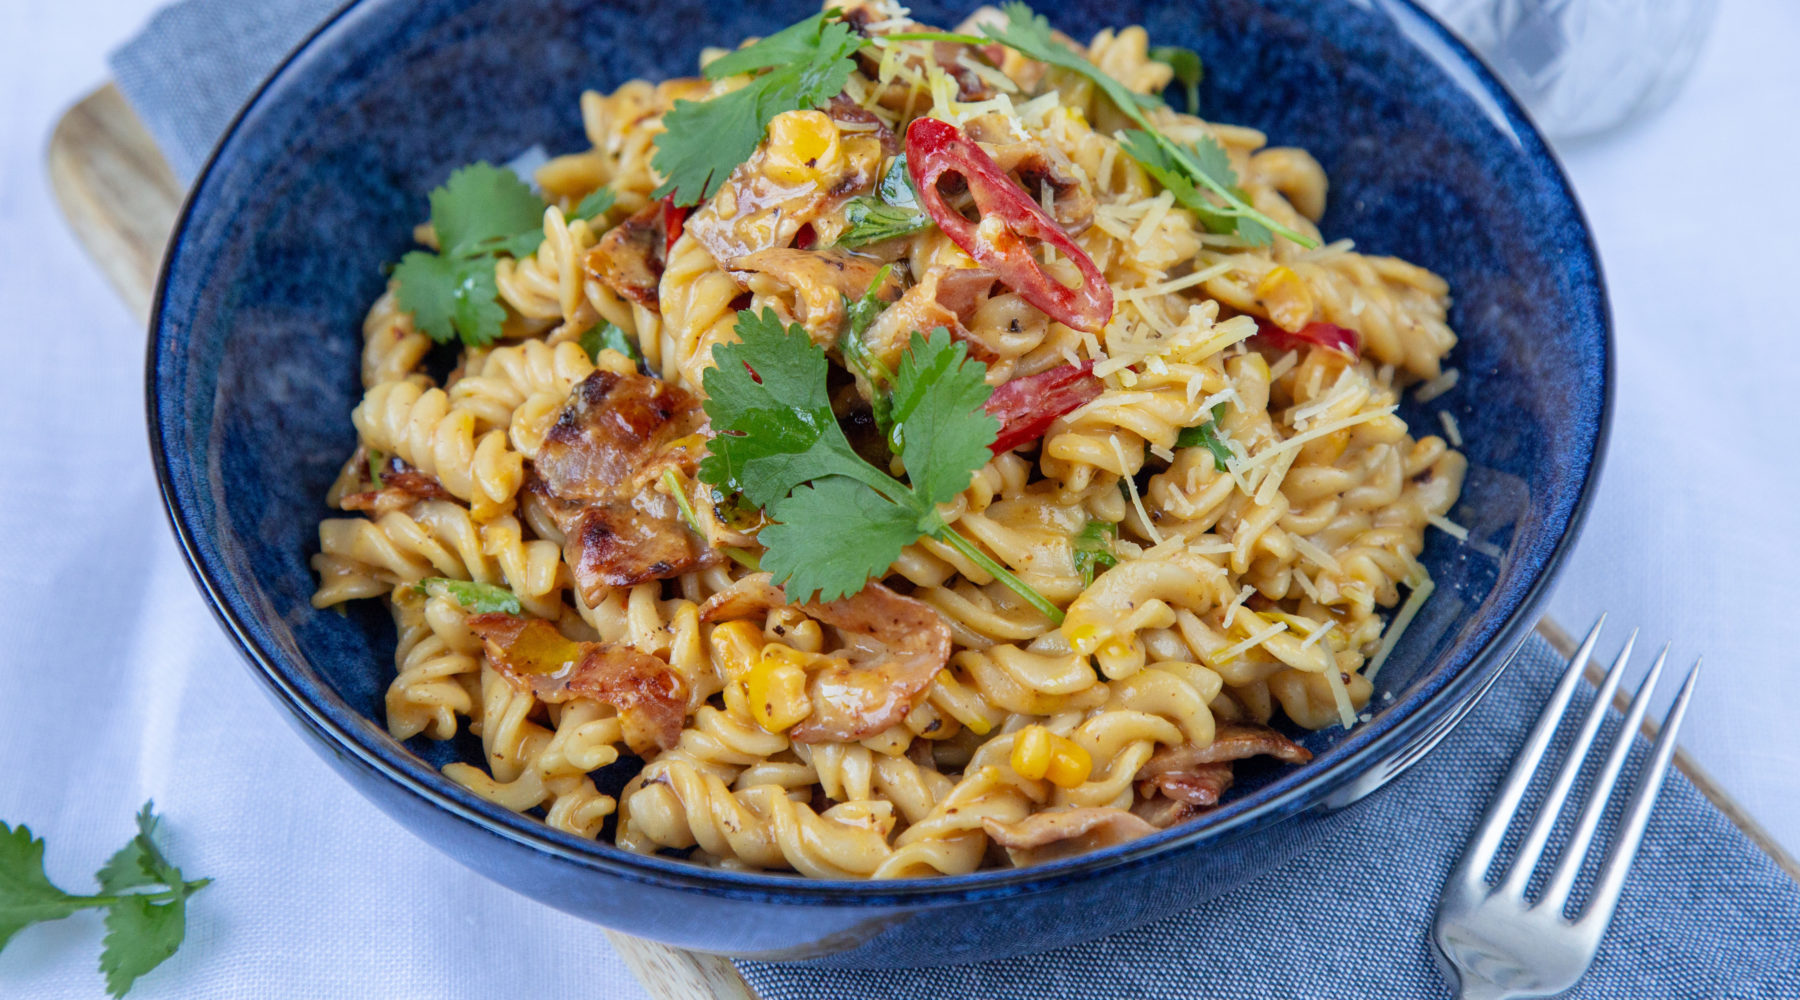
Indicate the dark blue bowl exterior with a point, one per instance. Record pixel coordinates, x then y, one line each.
254 351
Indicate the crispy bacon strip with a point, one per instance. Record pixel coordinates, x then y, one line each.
599 470
1049 836
629 259
1200 775
893 646
650 696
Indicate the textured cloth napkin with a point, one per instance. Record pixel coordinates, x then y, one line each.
1706 914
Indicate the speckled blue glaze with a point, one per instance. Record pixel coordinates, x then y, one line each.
253 365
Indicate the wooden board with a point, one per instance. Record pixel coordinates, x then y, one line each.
121 198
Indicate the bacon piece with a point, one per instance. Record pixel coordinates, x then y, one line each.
1050 836
1026 407
629 259
401 486
893 646
1200 775
532 655
599 470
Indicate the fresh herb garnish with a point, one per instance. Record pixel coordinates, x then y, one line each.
598 202
142 928
609 337
377 459
1029 33
480 212
837 520
858 316
1093 547
1208 436
480 598
1189 71
894 212
806 65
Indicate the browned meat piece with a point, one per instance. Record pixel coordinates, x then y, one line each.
757 209
1050 836
599 470
810 286
629 258
946 298
1200 775
1162 812
650 696
401 486
893 646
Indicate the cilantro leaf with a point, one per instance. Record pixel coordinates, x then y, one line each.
838 521
480 598
598 202
858 317
143 929
481 203
940 429
896 186
1093 549
826 520
1208 435
428 285
1189 71
871 221
1210 157
140 935
703 141
1029 33
26 895
609 336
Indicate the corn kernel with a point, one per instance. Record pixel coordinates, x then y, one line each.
1287 299
1031 752
776 688
1069 763
736 647
803 147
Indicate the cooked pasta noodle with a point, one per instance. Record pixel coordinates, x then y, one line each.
1222 522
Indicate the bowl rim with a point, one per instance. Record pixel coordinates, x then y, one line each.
1299 790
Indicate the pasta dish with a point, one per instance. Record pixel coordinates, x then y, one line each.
895 451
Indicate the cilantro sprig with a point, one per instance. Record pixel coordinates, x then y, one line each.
838 521
609 336
802 66
894 211
142 928
1196 164
1093 549
1189 71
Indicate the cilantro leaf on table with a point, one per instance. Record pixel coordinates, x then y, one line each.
1210 437
806 64
481 598
1189 71
838 521
1029 34
480 212
142 928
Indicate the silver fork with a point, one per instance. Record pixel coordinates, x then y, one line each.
1491 942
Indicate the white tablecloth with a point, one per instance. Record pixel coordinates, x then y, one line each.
117 686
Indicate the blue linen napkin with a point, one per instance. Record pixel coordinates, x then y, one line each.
1706 913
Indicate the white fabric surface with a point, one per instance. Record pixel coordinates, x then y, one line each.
117 686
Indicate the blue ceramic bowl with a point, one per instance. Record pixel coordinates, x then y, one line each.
253 372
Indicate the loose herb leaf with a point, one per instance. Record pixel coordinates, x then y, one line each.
481 204
377 459
1093 548
807 64
480 598
871 221
1029 33
859 315
1189 71
897 187
598 202
142 929
481 211
1210 156
1209 436
609 336
837 520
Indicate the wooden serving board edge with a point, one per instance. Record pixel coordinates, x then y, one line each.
120 199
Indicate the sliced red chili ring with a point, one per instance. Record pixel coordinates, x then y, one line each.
1011 222
1026 407
1316 334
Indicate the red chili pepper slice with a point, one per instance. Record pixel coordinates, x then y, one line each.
673 218
1010 223
1026 407
1316 334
